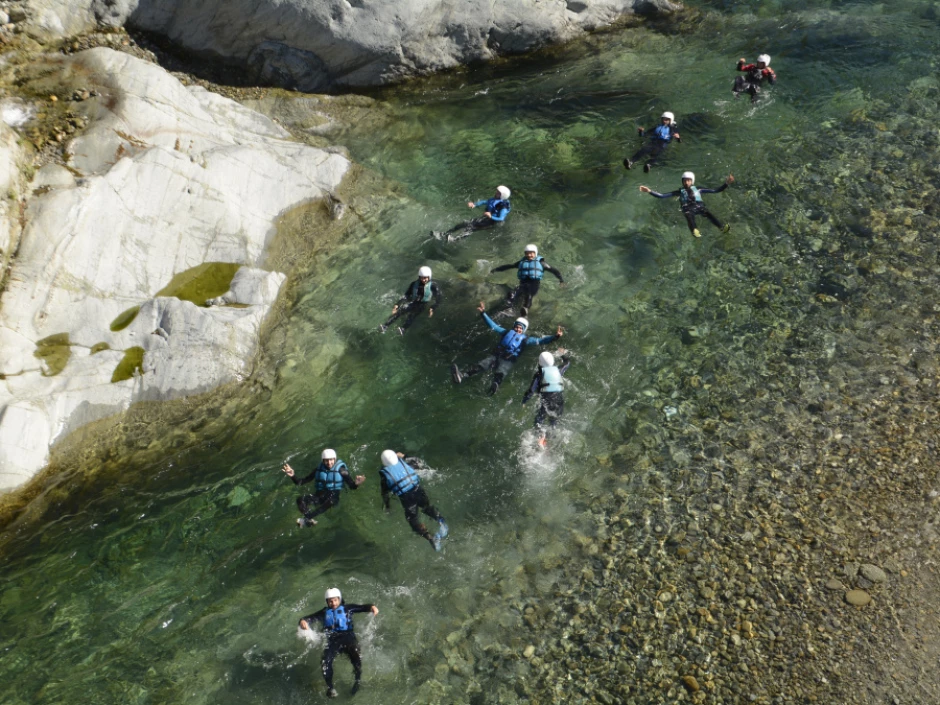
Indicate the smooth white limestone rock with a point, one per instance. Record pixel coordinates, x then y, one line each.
170 178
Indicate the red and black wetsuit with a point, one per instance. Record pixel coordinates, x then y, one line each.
753 78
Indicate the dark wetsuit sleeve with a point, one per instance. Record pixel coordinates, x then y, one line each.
383 487
356 609
303 481
565 364
415 462
438 295
746 67
347 478
549 268
713 190
315 617
504 267
671 194
534 387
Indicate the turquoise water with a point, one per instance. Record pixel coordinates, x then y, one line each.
181 580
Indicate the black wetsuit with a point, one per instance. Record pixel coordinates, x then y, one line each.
497 207
340 642
413 303
656 145
692 207
528 287
413 501
312 505
752 79
551 404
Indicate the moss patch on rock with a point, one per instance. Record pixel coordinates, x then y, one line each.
202 282
124 319
132 361
54 351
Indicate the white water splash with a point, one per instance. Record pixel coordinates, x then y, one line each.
16 113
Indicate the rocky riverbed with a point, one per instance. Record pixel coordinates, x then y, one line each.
767 533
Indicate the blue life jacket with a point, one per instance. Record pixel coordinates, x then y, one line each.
551 380
400 477
531 269
684 198
327 479
511 343
663 132
495 205
337 620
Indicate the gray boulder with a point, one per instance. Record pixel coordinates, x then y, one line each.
312 45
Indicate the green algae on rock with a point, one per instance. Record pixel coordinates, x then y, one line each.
55 352
202 282
131 362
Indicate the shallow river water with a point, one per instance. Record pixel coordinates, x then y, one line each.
182 580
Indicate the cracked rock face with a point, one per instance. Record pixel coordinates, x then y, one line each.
165 179
314 45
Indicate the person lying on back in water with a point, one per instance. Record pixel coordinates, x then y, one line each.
494 213
549 384
336 619
329 475
691 203
416 298
511 344
399 478
660 137
530 270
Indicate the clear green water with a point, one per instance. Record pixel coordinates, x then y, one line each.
182 580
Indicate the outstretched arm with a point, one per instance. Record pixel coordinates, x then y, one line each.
504 267
489 321
657 194
550 268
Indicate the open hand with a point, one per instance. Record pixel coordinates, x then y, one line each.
560 332
375 610
730 179
644 189
360 479
430 312
482 307
471 204
288 470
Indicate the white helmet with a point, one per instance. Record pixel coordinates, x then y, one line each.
546 359
669 115
503 192
764 59
331 593
328 454
425 272
688 175
531 248
524 322
389 458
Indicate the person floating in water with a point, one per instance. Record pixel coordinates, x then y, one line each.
419 295
660 137
754 76
336 619
548 383
400 478
530 270
330 475
494 213
690 201
511 344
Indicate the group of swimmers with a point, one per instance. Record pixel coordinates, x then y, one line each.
398 473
